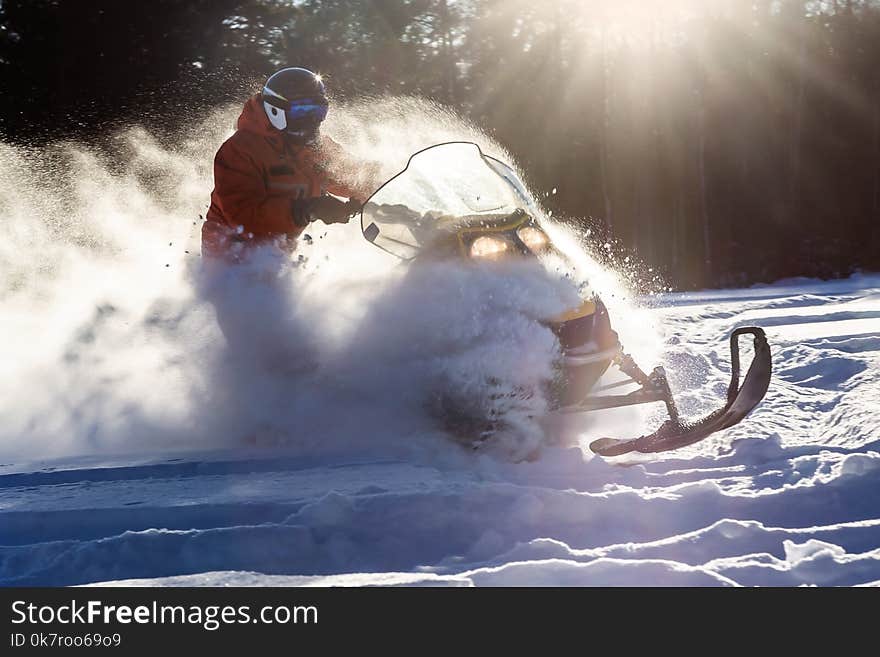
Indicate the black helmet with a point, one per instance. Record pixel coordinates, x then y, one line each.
296 103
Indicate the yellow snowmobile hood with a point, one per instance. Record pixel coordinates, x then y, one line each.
587 307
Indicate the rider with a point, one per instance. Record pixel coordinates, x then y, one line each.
271 177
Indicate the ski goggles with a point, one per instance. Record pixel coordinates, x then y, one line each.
313 109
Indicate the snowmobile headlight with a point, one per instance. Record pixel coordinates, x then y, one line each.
534 238
489 247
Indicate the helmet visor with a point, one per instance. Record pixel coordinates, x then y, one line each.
308 110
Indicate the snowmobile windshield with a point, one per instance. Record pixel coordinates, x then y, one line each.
444 189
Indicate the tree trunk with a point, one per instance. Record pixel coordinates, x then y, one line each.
677 212
798 124
876 140
704 204
448 52
875 205
603 140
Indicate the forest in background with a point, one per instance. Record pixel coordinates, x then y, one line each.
724 142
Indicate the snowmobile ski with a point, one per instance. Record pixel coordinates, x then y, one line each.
675 433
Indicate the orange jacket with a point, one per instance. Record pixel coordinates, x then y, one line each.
257 175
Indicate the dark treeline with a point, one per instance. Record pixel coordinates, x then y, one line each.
725 141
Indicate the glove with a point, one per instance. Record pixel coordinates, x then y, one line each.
328 209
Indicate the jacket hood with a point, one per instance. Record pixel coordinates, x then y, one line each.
253 118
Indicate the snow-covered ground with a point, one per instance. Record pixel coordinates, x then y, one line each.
789 497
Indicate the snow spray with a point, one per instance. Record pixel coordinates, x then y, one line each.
110 342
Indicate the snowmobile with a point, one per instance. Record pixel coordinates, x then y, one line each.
453 201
